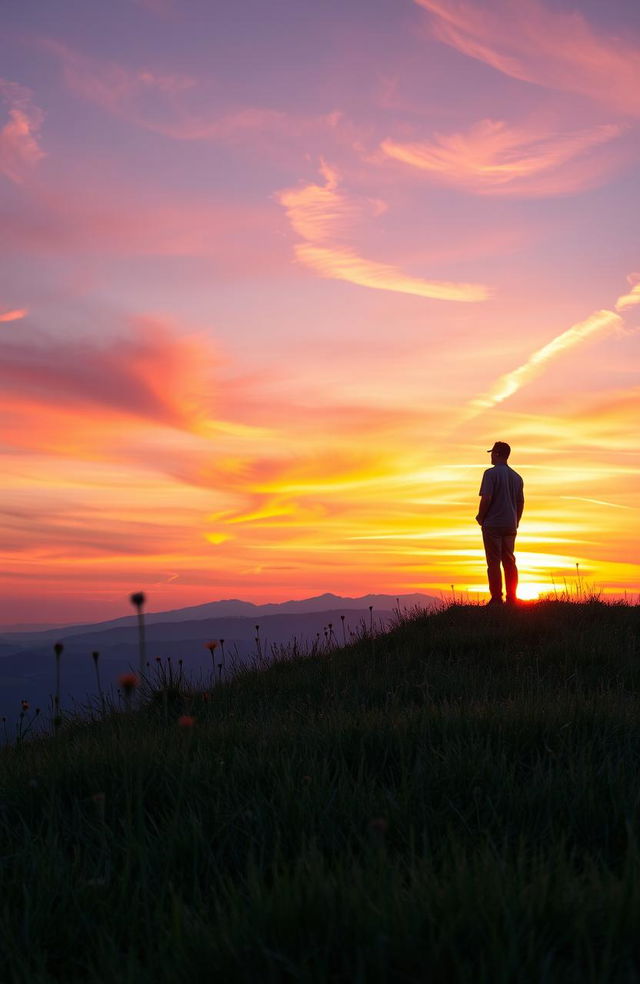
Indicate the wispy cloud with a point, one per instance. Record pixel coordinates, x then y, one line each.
20 149
630 299
15 315
103 216
496 158
165 103
345 264
324 217
596 325
550 47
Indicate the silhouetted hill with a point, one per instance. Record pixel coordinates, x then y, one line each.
27 664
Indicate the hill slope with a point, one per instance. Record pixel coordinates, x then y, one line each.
27 666
455 800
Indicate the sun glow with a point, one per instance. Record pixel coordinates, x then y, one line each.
529 592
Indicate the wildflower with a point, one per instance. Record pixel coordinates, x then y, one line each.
138 599
58 648
186 722
128 682
24 705
211 646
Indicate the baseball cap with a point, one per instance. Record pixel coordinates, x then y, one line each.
501 448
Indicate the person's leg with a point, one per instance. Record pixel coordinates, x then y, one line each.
493 552
509 564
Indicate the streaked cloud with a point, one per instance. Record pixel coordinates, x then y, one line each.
16 315
497 158
320 212
345 264
542 44
324 216
597 324
20 149
630 299
63 218
149 373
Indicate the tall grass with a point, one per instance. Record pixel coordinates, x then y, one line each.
460 802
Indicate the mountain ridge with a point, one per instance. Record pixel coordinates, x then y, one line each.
226 608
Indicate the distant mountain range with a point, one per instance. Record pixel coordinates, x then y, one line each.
27 662
226 609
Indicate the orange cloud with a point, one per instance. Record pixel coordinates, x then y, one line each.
19 147
149 373
14 315
322 215
545 45
498 159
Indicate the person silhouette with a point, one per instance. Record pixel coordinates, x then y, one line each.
501 505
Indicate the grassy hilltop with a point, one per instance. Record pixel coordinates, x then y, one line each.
456 800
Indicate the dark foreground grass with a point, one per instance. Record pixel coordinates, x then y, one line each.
458 800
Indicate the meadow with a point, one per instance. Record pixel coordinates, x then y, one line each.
457 799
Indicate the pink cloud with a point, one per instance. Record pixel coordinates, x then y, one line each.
19 147
157 101
544 45
98 216
323 217
16 315
498 159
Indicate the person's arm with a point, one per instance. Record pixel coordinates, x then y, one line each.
520 506
485 502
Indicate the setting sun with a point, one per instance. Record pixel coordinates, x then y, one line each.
528 592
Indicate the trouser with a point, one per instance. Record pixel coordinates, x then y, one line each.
499 543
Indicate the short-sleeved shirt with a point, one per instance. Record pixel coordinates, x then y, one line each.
506 489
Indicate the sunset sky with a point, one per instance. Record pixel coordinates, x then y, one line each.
276 274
